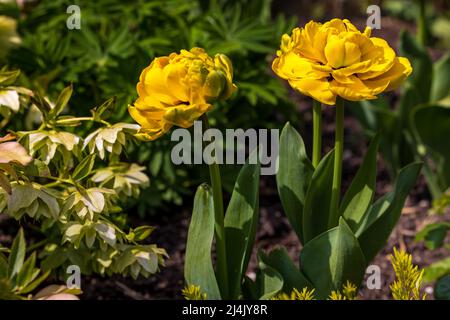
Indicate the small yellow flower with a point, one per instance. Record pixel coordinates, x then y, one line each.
334 59
192 292
349 292
408 277
305 294
176 90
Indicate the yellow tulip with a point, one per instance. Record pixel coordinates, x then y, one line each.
334 59
176 90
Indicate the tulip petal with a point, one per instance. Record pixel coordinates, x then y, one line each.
150 128
355 91
317 89
395 76
155 85
184 115
292 66
382 55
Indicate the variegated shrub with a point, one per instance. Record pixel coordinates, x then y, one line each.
71 185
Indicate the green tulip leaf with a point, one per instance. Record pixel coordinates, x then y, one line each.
270 281
293 177
318 199
442 288
383 215
333 258
198 268
434 234
437 270
241 220
431 123
279 260
359 195
421 77
440 87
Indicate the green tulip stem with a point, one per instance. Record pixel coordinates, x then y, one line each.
216 183
337 172
317 133
422 32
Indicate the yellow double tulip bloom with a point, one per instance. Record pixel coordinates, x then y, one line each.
334 59
176 90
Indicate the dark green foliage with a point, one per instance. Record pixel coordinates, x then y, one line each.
118 39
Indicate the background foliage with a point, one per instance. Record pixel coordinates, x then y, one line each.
117 40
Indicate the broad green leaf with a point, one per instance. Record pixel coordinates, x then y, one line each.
376 117
270 280
37 168
240 223
106 232
250 288
383 215
440 87
84 168
442 288
431 123
293 177
436 270
22 196
422 65
279 260
49 201
73 232
333 258
359 195
17 255
126 259
148 261
198 267
90 236
434 234
317 203
55 258
94 199
62 101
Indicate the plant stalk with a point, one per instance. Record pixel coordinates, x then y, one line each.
337 172
317 133
216 184
422 31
